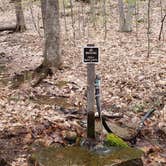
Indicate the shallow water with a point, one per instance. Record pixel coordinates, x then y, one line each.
78 156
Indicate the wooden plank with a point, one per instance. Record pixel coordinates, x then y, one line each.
91 100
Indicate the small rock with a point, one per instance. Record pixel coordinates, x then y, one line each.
134 162
70 136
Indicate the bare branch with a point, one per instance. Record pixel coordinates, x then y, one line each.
162 25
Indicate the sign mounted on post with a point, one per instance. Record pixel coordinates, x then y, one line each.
91 54
90 57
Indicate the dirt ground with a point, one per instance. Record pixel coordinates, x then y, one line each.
131 82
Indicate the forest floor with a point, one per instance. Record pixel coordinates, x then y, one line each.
131 82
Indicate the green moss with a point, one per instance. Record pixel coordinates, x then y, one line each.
61 84
113 140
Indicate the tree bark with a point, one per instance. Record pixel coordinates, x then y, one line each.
43 10
91 101
51 53
51 24
125 22
20 21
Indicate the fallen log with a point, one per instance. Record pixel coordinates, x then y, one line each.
8 28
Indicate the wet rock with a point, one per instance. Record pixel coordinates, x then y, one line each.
134 162
122 130
101 156
70 136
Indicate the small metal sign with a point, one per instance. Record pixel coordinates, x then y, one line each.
91 55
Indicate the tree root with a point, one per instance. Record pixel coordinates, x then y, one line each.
40 73
20 28
34 77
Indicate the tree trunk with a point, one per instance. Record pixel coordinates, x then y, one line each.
125 22
43 10
50 14
51 25
20 21
129 15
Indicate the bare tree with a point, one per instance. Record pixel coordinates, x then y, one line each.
50 14
125 19
51 53
36 25
43 10
148 28
20 21
73 20
105 19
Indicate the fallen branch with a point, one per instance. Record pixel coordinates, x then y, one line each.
133 139
8 28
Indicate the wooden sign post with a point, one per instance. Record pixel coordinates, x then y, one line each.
90 57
